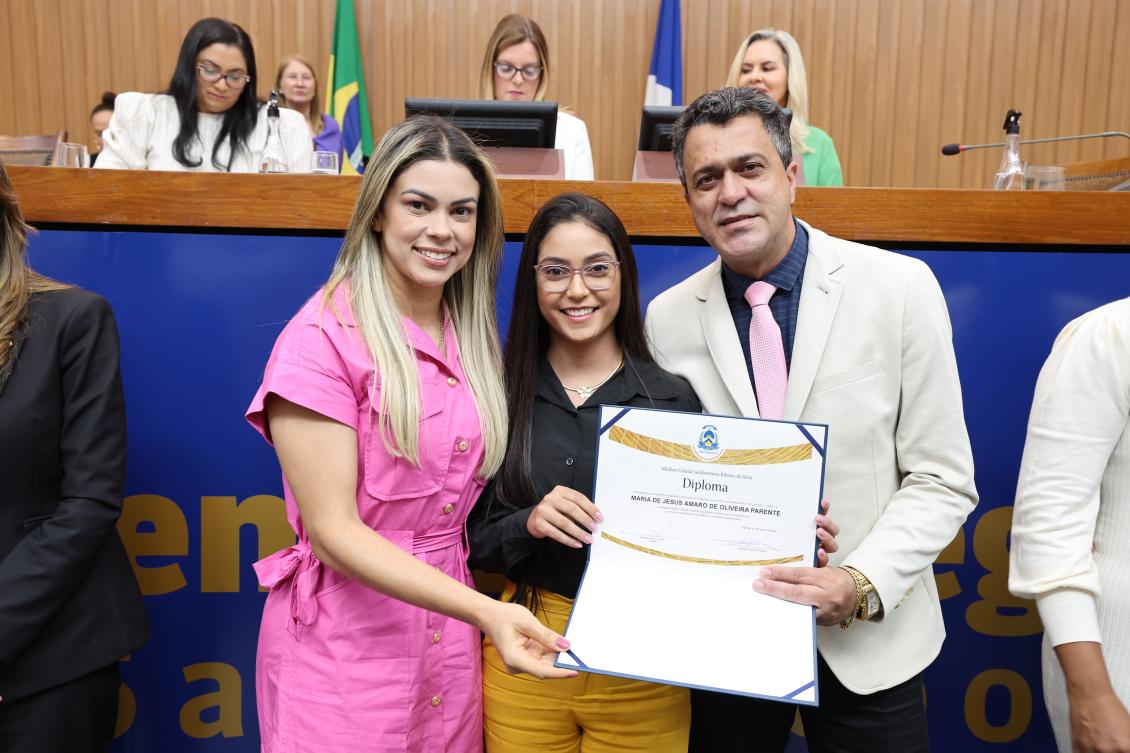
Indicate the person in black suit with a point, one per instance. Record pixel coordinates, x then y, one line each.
70 607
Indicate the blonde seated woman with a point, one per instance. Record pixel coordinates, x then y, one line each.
516 69
769 60
298 85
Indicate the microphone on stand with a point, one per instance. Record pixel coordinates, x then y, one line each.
951 149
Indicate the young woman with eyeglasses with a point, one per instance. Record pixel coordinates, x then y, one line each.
576 341
209 119
516 69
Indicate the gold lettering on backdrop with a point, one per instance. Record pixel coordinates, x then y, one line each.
798 724
226 699
168 538
1019 711
953 554
998 612
221 519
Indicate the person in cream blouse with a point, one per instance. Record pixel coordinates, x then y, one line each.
142 130
1070 525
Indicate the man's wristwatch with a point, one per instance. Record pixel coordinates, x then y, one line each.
867 603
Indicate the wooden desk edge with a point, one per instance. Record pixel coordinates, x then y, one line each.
321 203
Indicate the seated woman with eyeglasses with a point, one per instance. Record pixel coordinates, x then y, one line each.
516 69
576 341
209 119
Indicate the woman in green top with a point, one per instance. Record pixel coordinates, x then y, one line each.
770 60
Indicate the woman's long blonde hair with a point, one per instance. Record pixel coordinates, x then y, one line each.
797 97
469 294
511 30
314 117
17 281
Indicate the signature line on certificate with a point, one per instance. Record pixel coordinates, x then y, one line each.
699 560
675 451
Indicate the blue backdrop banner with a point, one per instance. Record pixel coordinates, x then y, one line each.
198 314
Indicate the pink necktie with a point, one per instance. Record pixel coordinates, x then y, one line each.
767 353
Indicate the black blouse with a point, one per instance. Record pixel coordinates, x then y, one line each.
564 450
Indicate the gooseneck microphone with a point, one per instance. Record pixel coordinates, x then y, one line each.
951 149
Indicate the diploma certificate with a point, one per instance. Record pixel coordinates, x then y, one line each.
694 505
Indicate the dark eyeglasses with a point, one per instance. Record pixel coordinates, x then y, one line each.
597 276
529 73
212 74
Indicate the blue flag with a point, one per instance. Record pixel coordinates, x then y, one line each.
665 77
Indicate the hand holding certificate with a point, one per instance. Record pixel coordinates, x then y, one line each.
694 505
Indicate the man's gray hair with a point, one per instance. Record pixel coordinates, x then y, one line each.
721 106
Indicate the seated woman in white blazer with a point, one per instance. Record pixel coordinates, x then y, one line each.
516 69
209 119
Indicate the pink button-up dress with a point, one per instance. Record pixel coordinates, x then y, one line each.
341 667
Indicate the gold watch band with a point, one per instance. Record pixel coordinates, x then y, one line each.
856 578
862 585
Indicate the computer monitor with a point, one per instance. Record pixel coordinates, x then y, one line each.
656 125
492 123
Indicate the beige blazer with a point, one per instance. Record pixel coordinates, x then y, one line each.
872 358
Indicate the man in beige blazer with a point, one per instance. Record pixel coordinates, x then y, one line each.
869 351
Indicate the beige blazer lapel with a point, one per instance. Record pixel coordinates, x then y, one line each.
819 298
722 342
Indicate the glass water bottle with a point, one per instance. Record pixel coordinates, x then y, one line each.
1010 176
273 158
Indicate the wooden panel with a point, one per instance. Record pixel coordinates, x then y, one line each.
25 80
973 92
927 162
1098 76
306 203
908 69
1073 76
890 80
1118 104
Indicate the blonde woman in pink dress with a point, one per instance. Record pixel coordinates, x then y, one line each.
384 401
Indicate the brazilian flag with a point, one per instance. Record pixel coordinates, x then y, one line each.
346 100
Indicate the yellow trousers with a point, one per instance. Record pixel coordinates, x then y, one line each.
589 713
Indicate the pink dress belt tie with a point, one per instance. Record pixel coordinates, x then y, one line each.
299 565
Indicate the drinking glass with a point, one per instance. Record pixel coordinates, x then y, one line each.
1046 177
325 163
69 154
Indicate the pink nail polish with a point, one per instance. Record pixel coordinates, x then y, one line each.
562 644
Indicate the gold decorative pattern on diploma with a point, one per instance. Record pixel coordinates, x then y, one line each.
675 451
699 560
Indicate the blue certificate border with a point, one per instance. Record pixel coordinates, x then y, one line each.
803 427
